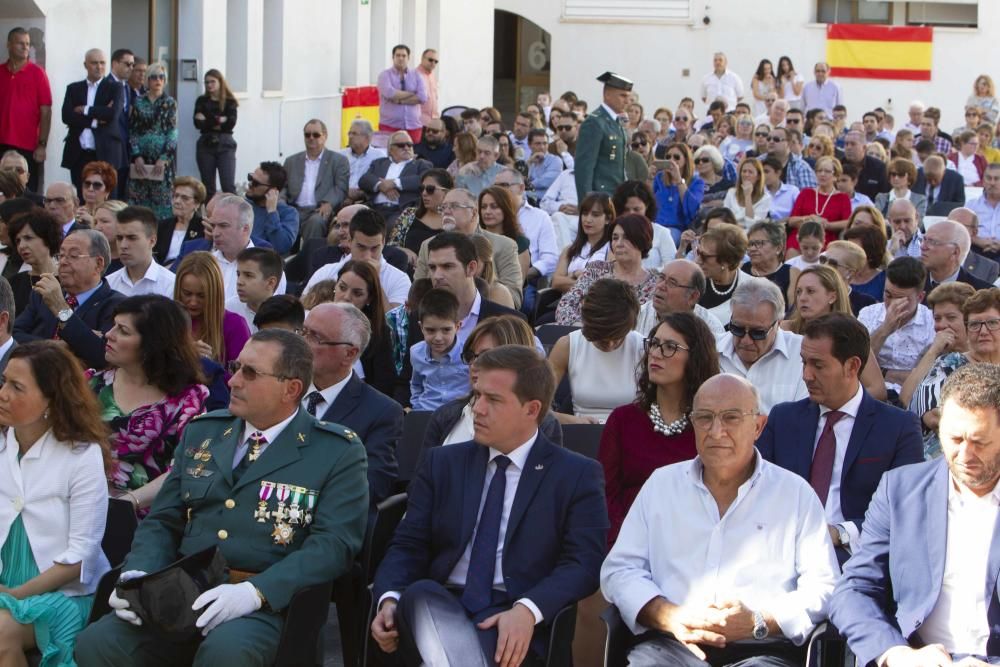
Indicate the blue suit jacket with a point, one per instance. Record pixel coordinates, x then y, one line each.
883 438
892 582
96 314
378 421
555 538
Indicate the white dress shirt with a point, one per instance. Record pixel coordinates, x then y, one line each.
464 429
518 457
156 280
234 305
395 283
959 620
59 489
270 435
664 249
541 235
562 191
842 434
228 270
728 86
329 395
771 549
307 195
359 163
392 174
648 318
904 347
470 321
87 134
777 375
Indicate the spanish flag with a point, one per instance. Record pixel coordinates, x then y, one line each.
358 102
879 52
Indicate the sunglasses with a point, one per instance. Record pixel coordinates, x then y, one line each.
431 189
676 157
433 60
564 128
682 119
702 160
792 121
755 334
776 140
157 76
253 181
829 261
250 373
638 144
761 135
402 144
93 185
312 135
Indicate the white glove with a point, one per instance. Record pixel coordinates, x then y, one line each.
121 606
229 601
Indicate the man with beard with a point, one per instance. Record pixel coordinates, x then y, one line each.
434 145
922 587
273 220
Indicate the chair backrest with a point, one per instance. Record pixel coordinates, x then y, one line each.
455 112
583 438
119 530
548 334
408 449
388 514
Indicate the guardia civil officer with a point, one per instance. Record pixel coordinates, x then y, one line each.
601 143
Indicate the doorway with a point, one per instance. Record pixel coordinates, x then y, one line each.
149 30
521 62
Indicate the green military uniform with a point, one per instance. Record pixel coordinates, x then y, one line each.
296 517
599 163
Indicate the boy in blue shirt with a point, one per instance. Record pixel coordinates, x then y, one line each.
439 374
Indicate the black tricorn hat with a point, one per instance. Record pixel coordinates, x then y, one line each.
613 80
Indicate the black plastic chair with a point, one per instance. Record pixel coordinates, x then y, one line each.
119 530
548 334
828 648
583 438
545 303
408 449
618 639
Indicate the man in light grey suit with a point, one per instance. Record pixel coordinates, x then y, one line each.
317 181
7 314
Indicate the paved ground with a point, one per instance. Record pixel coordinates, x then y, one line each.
331 652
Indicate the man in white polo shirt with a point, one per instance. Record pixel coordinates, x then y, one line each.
367 238
136 232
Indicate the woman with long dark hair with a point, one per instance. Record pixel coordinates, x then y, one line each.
592 241
215 116
358 284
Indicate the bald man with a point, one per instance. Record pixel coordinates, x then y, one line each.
78 113
61 201
981 267
941 186
942 252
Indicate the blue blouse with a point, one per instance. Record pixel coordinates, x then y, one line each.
673 210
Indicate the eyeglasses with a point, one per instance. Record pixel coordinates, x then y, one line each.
937 243
402 144
157 76
638 144
183 197
431 189
761 135
676 157
505 185
312 135
703 420
755 334
665 348
313 337
682 119
59 201
250 373
976 325
673 284
471 357
757 243
704 256
702 160
93 185
564 128
73 258
448 207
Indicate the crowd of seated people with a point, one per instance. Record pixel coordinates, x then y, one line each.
787 347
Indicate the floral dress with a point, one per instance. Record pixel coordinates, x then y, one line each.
152 135
568 310
143 442
928 396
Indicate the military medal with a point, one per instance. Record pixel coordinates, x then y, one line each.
257 441
281 513
266 488
282 533
294 512
310 503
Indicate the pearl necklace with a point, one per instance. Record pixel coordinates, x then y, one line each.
729 290
675 427
821 211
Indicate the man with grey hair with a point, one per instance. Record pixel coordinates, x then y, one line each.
981 267
394 183
338 335
78 306
61 201
7 315
360 154
317 181
479 175
940 185
721 83
822 93
678 289
755 570
915 113
906 237
757 348
872 176
535 223
943 251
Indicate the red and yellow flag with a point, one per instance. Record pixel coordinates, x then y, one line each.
358 102
879 51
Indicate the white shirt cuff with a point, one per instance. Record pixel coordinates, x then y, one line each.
388 595
399 183
533 608
853 532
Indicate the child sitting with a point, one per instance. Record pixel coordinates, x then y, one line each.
439 374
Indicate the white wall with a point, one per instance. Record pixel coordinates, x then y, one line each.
654 55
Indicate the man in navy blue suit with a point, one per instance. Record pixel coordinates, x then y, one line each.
499 535
921 588
114 90
840 439
338 334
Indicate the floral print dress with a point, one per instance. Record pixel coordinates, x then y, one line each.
143 442
152 135
568 310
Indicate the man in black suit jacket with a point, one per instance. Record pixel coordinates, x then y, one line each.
944 247
939 185
981 267
115 95
7 342
500 533
338 334
83 117
393 183
78 307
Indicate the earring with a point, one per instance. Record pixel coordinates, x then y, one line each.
45 416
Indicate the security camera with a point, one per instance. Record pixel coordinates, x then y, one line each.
706 20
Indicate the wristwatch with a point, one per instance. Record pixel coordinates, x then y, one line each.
759 626
64 315
843 536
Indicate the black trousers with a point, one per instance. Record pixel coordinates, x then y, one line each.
216 153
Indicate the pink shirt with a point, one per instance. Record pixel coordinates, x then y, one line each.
22 94
402 116
429 109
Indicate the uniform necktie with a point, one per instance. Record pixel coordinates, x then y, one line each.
821 471
257 442
73 304
312 400
478 593
623 119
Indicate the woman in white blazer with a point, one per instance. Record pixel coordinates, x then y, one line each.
53 502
